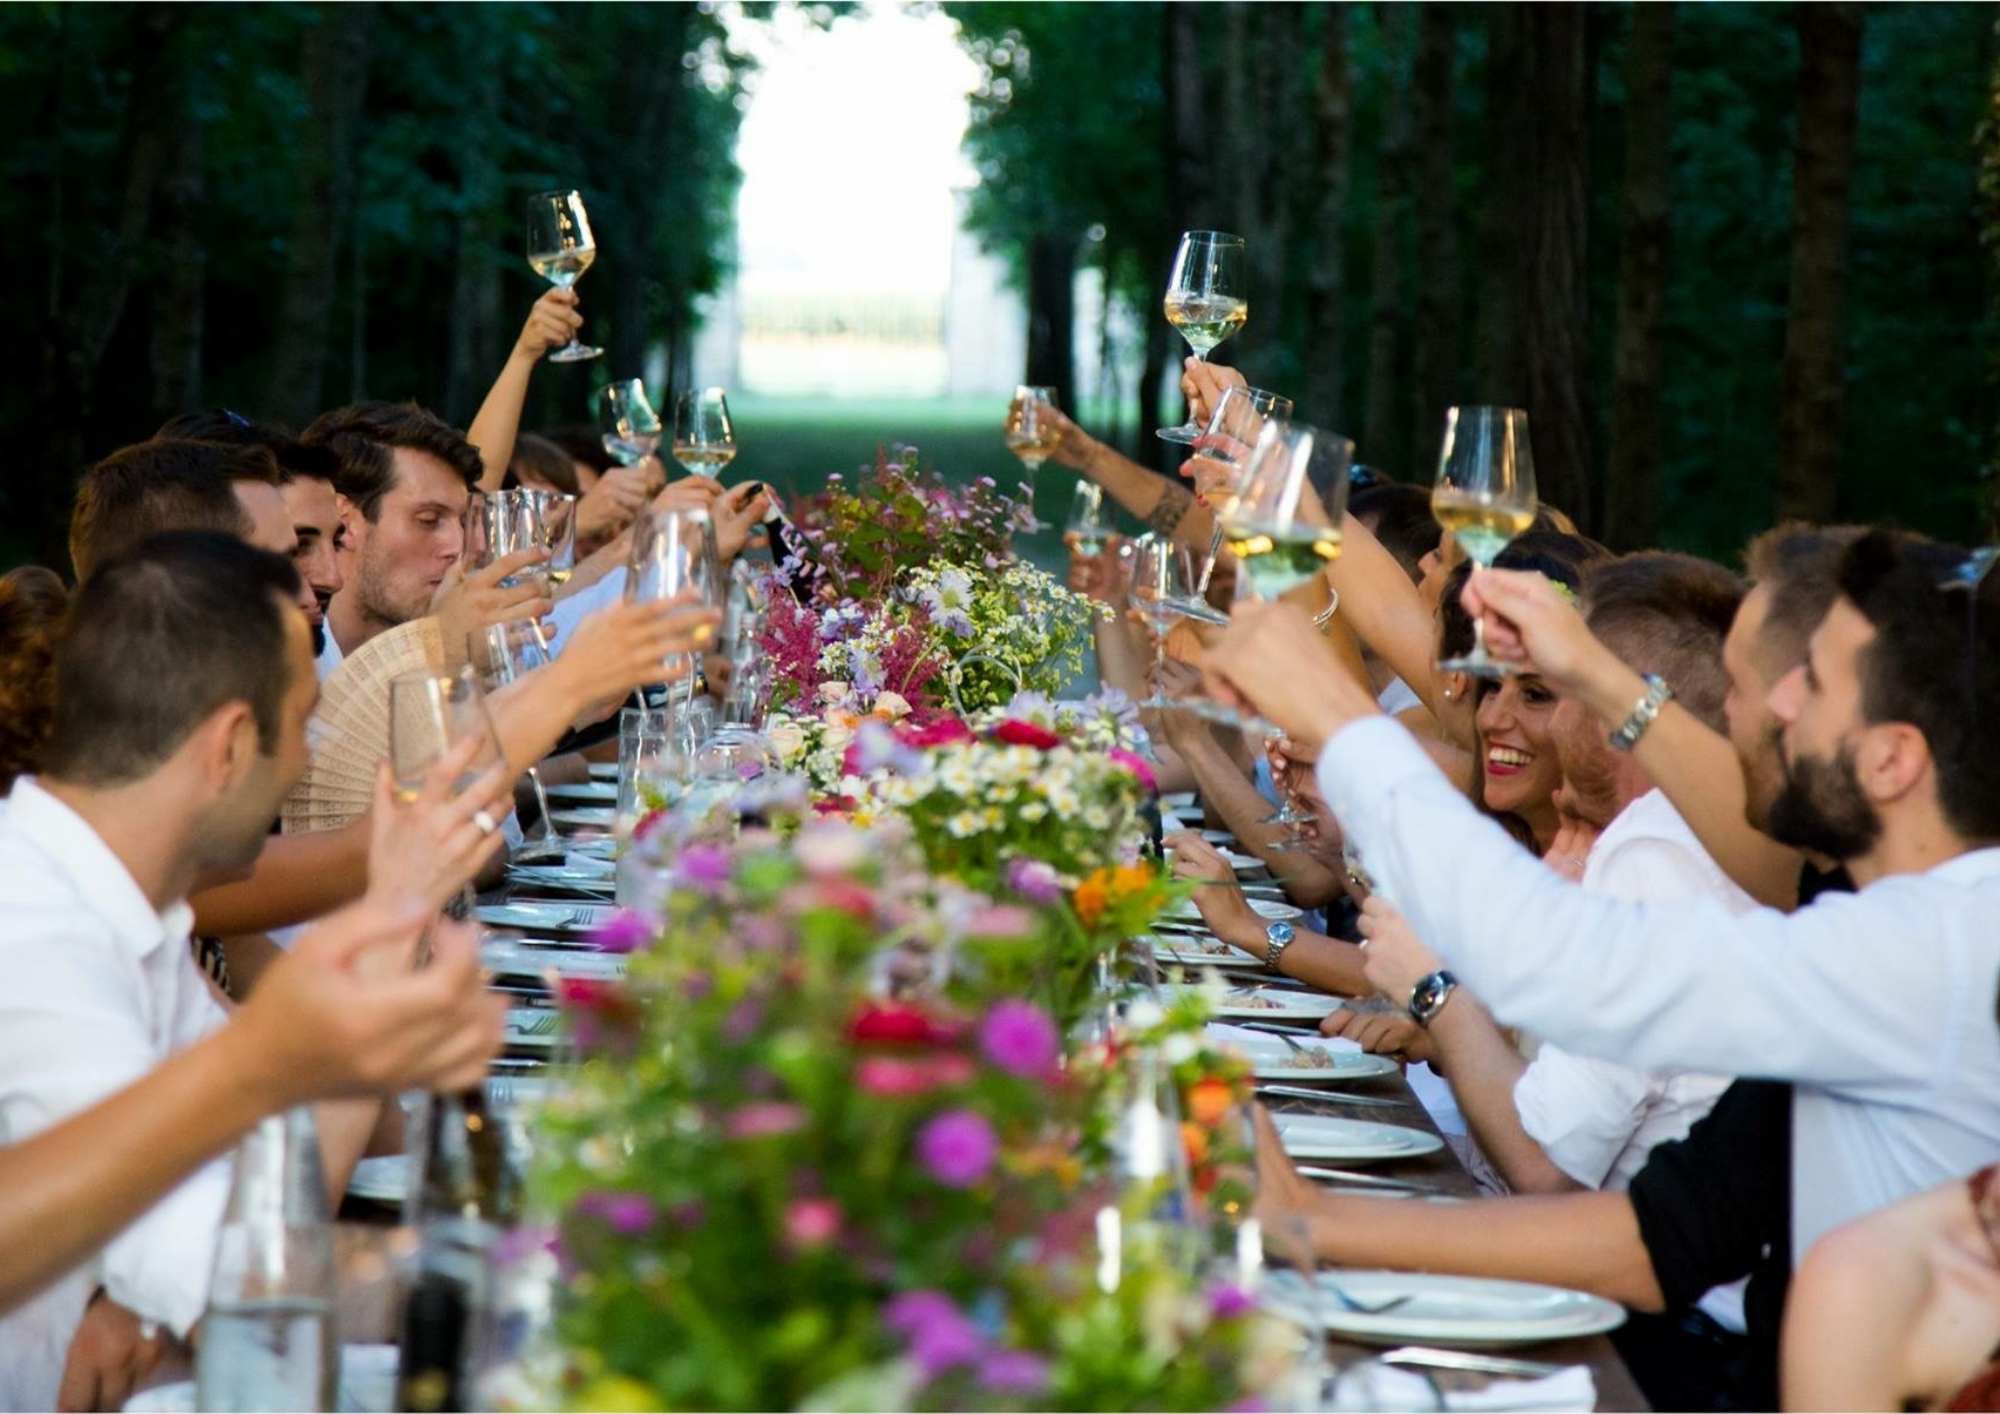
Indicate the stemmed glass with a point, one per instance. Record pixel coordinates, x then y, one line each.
704 438
674 551
506 653
1159 574
1207 300
1282 531
1220 455
1084 531
1484 496
1030 435
625 417
560 249
429 714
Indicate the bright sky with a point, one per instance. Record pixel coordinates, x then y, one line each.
849 152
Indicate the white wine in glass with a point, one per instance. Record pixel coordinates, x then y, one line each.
1031 436
704 437
1207 301
560 249
1220 455
1277 524
1084 531
630 428
1485 496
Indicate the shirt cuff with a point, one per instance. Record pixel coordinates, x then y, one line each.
159 1268
1369 755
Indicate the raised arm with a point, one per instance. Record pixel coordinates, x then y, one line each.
552 321
1166 506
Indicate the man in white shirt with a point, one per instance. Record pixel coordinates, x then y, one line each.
1879 1006
183 684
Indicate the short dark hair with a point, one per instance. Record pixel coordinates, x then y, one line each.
363 435
1668 614
1563 558
157 640
294 458
141 490
583 444
1799 564
1934 663
32 604
1400 516
544 460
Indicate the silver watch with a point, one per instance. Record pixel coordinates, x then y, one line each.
1277 937
1430 994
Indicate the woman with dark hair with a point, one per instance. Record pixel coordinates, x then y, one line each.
32 604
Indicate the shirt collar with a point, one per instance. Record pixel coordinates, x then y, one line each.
1970 867
98 877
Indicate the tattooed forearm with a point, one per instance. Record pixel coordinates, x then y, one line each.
1171 509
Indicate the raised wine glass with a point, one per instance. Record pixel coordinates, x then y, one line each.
625 417
504 654
1484 496
1031 435
1159 574
674 551
1221 454
1281 529
704 437
1207 301
1084 531
560 249
429 714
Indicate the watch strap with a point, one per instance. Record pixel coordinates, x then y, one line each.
1643 714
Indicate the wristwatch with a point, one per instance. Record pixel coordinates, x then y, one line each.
1644 712
1430 994
1277 937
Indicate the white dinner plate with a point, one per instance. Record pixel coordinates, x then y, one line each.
1218 837
1179 950
585 817
1271 1059
585 790
555 917
506 958
533 1028
592 876
367 1385
604 771
1275 1004
1178 801
1352 1141
1448 1310
1274 909
381 1180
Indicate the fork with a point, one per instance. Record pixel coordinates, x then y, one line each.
1355 1304
541 1025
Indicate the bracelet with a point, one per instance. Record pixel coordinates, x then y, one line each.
1644 713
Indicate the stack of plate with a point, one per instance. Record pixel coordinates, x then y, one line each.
1352 1141
1441 1310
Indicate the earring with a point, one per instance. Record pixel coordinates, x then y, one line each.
1447 694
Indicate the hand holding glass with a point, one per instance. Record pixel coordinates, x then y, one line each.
704 437
1031 436
1484 496
560 249
1207 301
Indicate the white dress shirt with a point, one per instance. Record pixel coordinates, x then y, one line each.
100 989
573 609
1877 1006
330 656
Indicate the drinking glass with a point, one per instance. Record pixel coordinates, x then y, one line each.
506 653
1484 496
1030 435
1207 301
630 428
674 551
560 249
1223 451
429 714
1159 574
704 437
500 523
1281 531
1084 531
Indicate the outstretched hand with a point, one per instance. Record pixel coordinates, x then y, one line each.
1532 623
1275 661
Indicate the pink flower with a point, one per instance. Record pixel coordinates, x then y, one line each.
945 731
1034 880
1000 920
811 1222
1015 732
704 868
623 932
1228 1302
957 1148
889 1076
626 1214
762 1121
1015 1372
939 1334
1019 1038
1137 765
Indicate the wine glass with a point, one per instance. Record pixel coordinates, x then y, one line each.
1484 496
1222 451
1280 529
1159 574
1084 531
560 249
555 531
506 653
674 551
1030 435
704 438
429 714
1207 300
630 428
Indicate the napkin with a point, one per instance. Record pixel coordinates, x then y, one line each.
1377 1386
1244 1037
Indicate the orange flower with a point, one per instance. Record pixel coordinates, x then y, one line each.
1208 1101
1131 879
1195 1139
1092 897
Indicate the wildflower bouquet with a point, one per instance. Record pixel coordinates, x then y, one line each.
1000 629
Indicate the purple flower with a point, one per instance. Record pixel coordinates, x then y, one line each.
1015 1372
624 931
703 867
1227 1302
957 1148
939 1334
1018 1037
627 1214
1033 880
761 1121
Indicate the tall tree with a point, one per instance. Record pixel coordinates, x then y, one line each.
1632 490
1497 369
1388 314
1813 382
1333 145
1553 312
1434 362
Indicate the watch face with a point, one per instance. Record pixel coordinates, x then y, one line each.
1280 932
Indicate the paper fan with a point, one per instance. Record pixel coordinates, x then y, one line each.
349 731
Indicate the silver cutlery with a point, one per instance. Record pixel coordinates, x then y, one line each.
1331 1097
1465 1360
1355 1304
1366 1180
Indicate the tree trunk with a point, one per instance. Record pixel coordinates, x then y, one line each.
1813 384
652 115
1287 151
178 304
1333 134
1632 513
1388 388
1497 372
1188 137
1554 306
334 61
1434 363
1052 315
1161 344
472 351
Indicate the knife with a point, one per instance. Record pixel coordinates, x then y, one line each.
1367 1179
1463 1360
1331 1097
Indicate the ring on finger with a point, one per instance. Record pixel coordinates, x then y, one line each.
484 822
